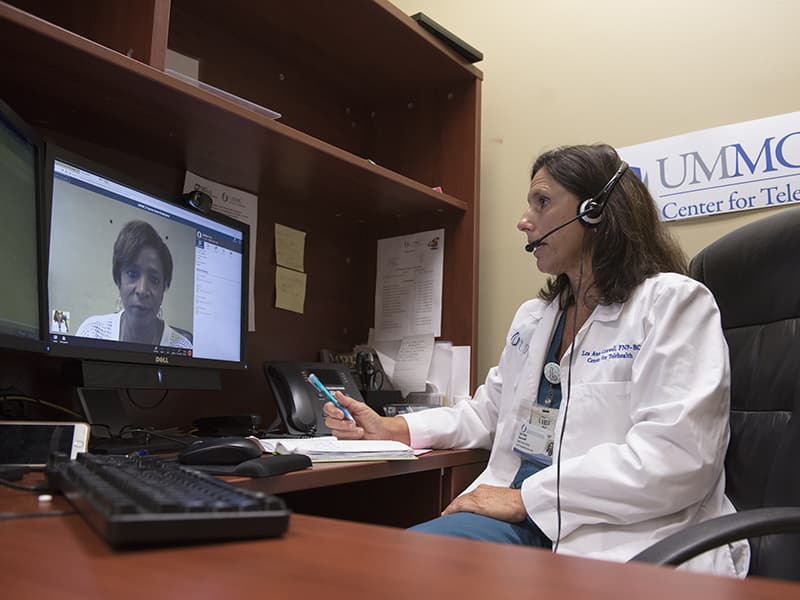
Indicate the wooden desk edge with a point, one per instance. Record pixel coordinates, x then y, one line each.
385 562
328 474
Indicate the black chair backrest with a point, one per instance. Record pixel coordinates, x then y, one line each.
754 274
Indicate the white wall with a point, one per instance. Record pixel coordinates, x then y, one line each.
617 71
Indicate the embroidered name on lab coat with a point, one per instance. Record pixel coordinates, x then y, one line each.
615 352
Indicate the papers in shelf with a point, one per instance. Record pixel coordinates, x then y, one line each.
329 449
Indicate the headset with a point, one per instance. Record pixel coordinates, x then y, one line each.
590 211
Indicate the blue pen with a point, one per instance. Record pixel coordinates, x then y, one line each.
314 380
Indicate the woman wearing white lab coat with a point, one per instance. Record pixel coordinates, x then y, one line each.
634 449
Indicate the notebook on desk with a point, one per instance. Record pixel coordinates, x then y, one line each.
269 444
330 449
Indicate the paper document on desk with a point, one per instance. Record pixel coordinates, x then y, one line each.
269 444
334 450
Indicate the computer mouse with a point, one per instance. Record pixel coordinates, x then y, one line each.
220 451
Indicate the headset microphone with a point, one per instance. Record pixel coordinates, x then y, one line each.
531 246
589 211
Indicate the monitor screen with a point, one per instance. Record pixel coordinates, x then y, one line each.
20 159
133 277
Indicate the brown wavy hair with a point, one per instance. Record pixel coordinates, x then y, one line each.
630 243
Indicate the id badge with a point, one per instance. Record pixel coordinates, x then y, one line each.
535 438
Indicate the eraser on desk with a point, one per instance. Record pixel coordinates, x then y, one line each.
267 466
437 188
263 466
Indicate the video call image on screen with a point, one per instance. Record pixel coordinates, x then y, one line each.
129 271
19 302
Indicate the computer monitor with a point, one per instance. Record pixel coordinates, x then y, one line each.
148 293
20 267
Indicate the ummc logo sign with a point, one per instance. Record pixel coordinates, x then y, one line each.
692 176
731 161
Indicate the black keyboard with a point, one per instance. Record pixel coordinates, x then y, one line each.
143 500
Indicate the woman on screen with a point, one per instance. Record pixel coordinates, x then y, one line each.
142 271
59 324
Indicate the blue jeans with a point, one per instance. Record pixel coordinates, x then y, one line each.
478 527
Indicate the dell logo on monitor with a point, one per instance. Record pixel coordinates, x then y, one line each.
162 360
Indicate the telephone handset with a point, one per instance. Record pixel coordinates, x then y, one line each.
299 403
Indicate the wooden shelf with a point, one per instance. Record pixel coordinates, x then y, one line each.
371 48
102 96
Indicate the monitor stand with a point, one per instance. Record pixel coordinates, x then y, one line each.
106 412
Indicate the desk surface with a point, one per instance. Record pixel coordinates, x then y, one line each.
328 474
61 557
377 492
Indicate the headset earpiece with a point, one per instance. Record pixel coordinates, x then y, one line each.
590 212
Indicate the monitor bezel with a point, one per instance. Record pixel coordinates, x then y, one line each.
13 342
122 355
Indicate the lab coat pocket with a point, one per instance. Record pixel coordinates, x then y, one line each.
598 413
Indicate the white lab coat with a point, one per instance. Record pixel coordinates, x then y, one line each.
646 423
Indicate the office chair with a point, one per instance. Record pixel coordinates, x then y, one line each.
754 274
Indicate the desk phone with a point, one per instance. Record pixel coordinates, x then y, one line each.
299 403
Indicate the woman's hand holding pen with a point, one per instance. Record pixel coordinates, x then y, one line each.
366 423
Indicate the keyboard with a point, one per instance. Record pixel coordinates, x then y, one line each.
148 500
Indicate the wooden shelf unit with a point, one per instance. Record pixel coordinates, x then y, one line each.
375 112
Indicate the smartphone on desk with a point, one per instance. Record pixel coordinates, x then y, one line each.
29 443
